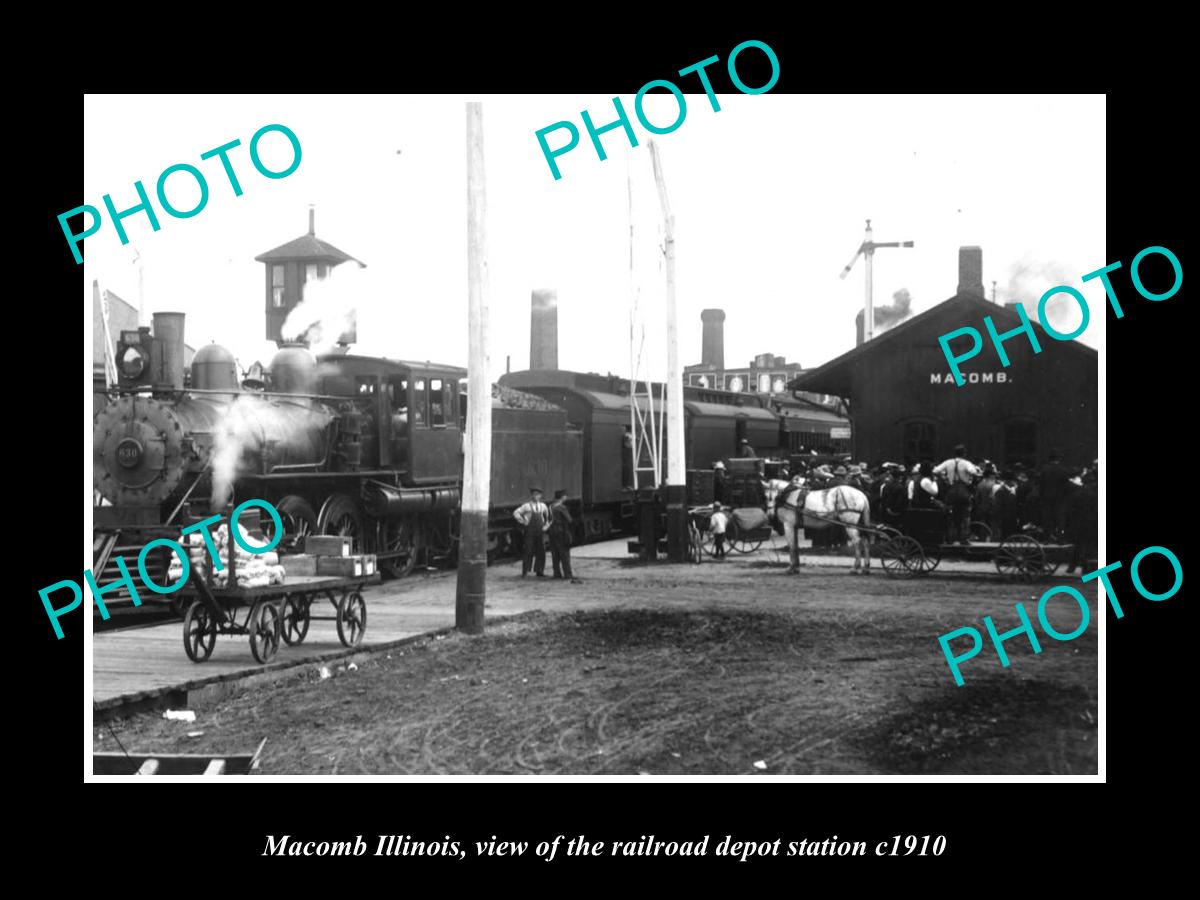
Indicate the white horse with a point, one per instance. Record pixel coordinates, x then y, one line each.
843 505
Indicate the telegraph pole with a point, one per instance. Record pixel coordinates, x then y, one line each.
867 249
676 459
477 462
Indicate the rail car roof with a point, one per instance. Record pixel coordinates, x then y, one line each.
396 364
724 411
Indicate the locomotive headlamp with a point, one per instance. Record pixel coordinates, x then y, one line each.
133 362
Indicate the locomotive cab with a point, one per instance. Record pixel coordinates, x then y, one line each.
411 419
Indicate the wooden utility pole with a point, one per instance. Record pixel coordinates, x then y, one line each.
477 462
676 461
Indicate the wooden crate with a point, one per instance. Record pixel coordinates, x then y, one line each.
342 566
328 545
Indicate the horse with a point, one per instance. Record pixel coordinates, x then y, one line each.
842 505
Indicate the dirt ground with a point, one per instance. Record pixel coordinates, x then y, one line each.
727 668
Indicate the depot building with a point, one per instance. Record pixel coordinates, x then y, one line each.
904 405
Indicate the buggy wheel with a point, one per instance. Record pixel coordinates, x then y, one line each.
885 533
740 540
901 556
294 617
1020 556
264 630
199 632
980 532
930 557
351 619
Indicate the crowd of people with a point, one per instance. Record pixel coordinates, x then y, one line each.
1057 501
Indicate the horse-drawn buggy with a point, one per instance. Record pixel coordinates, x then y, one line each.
919 545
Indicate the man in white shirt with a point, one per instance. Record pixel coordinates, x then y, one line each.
959 473
716 527
535 518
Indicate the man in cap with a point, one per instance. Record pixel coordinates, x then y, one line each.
717 524
720 482
959 473
745 450
1004 507
1055 490
893 496
985 492
560 537
534 517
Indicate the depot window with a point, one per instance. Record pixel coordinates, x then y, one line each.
1020 442
919 441
277 287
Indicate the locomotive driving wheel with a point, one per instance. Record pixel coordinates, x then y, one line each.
398 536
298 519
341 516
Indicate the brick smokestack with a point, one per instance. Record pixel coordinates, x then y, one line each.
712 349
543 330
970 271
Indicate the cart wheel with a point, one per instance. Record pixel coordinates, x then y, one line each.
885 533
742 542
980 532
901 556
1020 556
930 557
264 630
199 632
351 619
294 617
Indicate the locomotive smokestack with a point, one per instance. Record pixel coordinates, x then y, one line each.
970 271
712 348
166 355
543 330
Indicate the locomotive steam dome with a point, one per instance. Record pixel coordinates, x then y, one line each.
293 370
213 369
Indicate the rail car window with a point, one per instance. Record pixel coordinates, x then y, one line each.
420 410
277 286
437 403
1020 442
366 385
920 441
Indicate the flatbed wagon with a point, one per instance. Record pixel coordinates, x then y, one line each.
271 612
919 546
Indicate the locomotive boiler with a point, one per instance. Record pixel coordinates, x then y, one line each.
365 447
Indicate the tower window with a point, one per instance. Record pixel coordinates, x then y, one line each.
277 287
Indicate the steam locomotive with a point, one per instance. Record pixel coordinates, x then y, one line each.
369 447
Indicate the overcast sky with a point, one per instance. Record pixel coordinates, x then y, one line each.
770 196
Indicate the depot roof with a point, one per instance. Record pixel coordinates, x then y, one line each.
836 376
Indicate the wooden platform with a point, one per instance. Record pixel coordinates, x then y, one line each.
142 664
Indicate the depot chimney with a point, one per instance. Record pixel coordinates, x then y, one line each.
543 330
970 272
712 349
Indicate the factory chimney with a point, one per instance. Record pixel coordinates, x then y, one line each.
712 348
970 272
312 219
543 329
